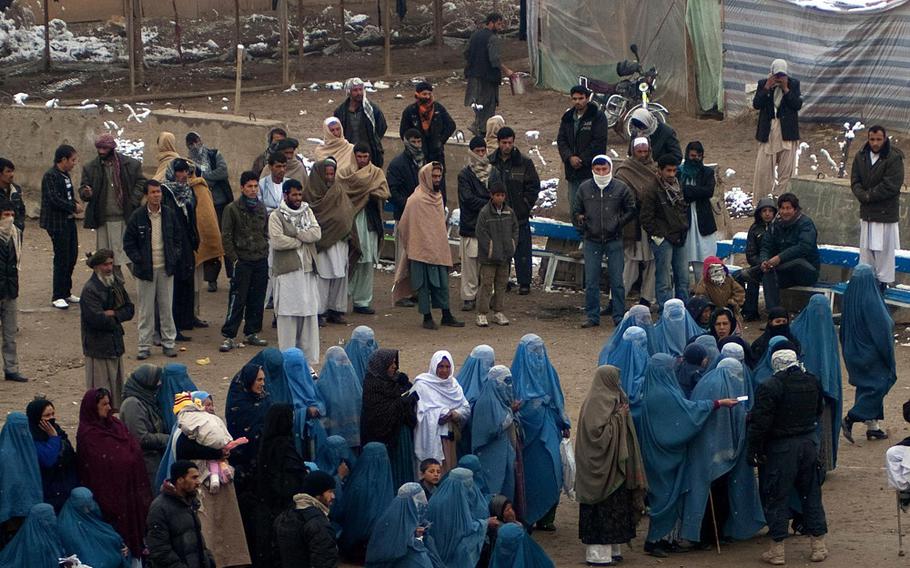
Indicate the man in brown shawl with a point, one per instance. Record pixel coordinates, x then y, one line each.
294 168
610 482
426 258
639 172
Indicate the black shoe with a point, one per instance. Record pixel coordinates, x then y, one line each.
405 303
200 323
643 302
366 310
320 319
450 321
274 322
589 324
546 527
271 304
656 549
617 559
876 435
213 286
847 429
336 317
143 355
15 377
524 290
180 337
469 305
608 310
430 324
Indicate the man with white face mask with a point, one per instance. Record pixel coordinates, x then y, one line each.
602 207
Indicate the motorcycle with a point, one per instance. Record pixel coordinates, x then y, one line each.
633 91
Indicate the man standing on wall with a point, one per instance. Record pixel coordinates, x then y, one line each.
582 135
58 210
483 70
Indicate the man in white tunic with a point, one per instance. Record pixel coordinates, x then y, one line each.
777 100
639 172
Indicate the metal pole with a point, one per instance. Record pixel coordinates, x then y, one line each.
900 533
239 80
387 20
714 520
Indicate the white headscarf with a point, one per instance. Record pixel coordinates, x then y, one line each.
367 105
645 117
603 181
778 66
437 397
641 141
784 359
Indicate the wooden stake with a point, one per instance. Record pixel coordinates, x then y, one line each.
236 22
131 44
387 13
341 10
437 21
237 89
714 520
137 40
283 22
301 38
47 37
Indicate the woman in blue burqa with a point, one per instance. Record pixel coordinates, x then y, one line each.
713 352
544 423
400 539
717 466
336 459
174 379
37 544
458 526
763 371
367 495
309 407
20 477
56 456
637 316
342 393
471 376
85 534
631 358
360 348
245 411
666 422
276 382
866 337
675 329
516 549
814 328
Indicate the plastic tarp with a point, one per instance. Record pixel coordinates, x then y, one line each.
851 66
588 37
703 24
850 6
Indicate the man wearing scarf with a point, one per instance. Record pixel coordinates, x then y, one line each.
10 260
362 120
778 101
179 196
402 177
781 442
104 307
661 137
246 245
433 122
112 186
293 233
11 192
473 195
276 135
271 185
602 207
665 217
697 183
639 172
484 70
294 168
212 167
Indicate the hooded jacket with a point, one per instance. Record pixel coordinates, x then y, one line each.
757 231
878 187
589 140
789 241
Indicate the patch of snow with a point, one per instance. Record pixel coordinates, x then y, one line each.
52 103
20 98
291 89
738 202
548 196
730 172
613 153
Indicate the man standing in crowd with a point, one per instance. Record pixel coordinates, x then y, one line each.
472 197
214 171
433 122
294 168
665 217
781 442
153 242
104 307
362 120
402 177
484 70
601 209
246 246
179 196
10 260
778 101
639 173
12 193
697 183
582 135
112 186
367 188
519 176
174 535
58 210
876 180
661 138
276 135
304 535
271 190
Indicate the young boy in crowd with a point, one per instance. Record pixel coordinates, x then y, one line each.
430 473
497 235
764 215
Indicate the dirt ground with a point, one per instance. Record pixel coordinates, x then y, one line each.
861 509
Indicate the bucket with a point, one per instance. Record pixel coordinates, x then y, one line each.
518 82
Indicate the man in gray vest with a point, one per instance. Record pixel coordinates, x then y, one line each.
484 70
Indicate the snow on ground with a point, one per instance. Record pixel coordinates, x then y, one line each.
547 197
739 203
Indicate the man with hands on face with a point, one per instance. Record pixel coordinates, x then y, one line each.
778 101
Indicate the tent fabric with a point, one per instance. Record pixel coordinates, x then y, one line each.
703 25
851 66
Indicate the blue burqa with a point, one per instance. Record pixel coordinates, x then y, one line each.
394 543
309 434
342 393
473 372
710 345
814 329
331 454
368 493
456 528
492 423
543 418
516 549
637 316
85 534
276 383
763 370
37 544
174 379
719 448
472 462
866 337
359 348
675 329
631 358
666 422
244 414
20 476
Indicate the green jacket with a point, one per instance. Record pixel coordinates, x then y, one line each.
244 233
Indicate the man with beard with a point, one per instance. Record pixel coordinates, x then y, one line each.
367 188
402 177
174 535
12 193
212 167
112 186
276 135
484 70
522 183
179 196
362 120
433 122
58 210
10 260
473 196
582 135
639 172
104 307
661 137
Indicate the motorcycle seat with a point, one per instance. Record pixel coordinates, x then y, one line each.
601 87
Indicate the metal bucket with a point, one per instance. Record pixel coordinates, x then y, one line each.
519 83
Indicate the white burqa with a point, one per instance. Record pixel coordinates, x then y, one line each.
437 398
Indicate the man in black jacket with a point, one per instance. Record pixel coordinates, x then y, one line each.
304 534
58 210
12 193
601 209
473 196
876 180
10 260
484 70
661 137
778 101
214 170
522 183
697 183
433 122
764 216
362 120
152 243
781 442
582 135
179 196
174 536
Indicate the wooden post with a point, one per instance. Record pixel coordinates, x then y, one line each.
283 22
236 22
137 40
341 11
301 37
437 21
387 20
47 37
239 79
131 44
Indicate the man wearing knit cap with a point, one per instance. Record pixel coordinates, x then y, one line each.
433 122
304 534
778 101
362 120
473 195
112 185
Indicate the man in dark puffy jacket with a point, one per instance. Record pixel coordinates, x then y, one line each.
472 197
522 183
174 536
601 209
434 123
778 100
764 215
662 137
582 135
304 534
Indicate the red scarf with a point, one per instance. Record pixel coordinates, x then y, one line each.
425 111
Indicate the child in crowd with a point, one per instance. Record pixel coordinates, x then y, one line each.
691 367
497 235
700 308
430 473
719 287
206 429
764 215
